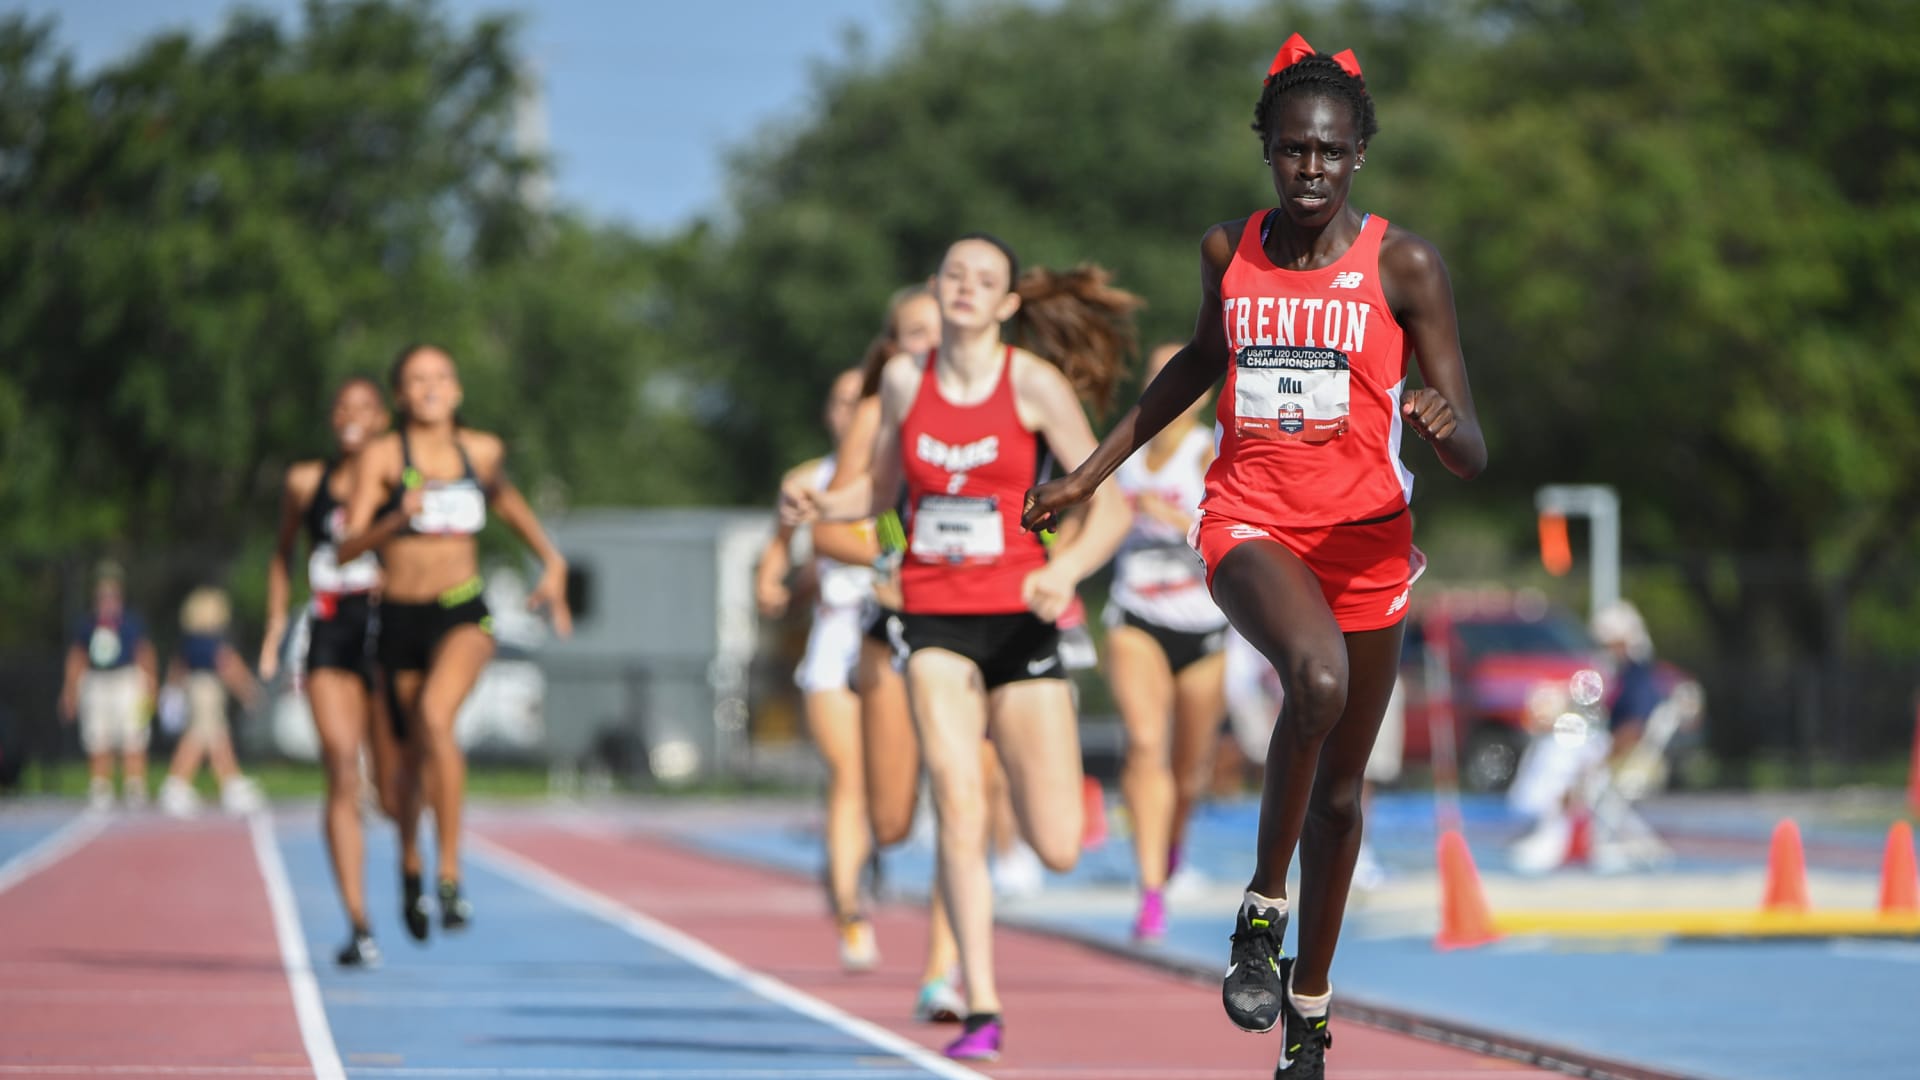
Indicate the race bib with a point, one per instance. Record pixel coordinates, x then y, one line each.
957 529
458 508
1161 569
1291 392
326 575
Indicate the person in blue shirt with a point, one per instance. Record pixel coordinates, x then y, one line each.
204 670
111 675
1620 629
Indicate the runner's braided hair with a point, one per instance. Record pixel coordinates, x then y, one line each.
1317 75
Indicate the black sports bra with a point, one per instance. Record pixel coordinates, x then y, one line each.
450 507
323 527
326 521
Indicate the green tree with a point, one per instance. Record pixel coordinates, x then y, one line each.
199 241
1679 233
1687 231
1110 132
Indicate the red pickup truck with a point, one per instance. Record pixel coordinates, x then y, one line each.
1500 648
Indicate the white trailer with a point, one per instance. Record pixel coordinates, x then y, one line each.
653 682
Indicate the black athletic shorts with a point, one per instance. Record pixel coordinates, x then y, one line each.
876 628
1183 648
341 631
409 633
1006 648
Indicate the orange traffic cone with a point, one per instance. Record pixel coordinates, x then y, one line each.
1465 921
1899 879
1093 802
1786 870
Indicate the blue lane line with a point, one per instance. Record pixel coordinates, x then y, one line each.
18 835
1753 1011
536 988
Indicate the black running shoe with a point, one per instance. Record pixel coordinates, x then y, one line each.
1254 987
455 911
413 906
1303 1040
359 952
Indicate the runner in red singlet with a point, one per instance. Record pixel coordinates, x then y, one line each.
1311 310
965 430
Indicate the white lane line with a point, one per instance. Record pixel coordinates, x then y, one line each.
312 1015
726 1073
454 1073
58 844
1895 952
703 956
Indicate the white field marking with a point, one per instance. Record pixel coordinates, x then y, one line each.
1895 952
701 955
57 845
550 1073
307 1009
457 1073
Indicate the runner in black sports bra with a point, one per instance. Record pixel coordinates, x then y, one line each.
338 658
419 497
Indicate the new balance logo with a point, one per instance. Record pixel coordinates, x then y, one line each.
1398 602
1347 279
1246 532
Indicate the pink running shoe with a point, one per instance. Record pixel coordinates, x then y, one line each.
980 1041
1151 924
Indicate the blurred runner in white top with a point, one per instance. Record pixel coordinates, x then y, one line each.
844 593
1164 641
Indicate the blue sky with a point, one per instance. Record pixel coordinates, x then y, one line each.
643 97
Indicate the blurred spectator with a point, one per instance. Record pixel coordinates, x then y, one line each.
111 674
1623 633
202 672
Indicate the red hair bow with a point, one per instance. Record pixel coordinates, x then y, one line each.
1296 49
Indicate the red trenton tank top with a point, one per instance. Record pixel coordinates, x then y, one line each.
1310 417
967 469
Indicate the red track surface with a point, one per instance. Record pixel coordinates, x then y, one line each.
1073 1014
148 947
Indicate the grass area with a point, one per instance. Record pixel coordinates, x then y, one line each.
295 780
1782 772
283 780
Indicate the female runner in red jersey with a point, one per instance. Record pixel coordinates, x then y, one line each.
963 430
1311 310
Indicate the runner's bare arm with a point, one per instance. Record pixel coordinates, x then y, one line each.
854 543
302 483
551 590
879 487
1421 296
1051 409
1192 370
377 470
770 590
